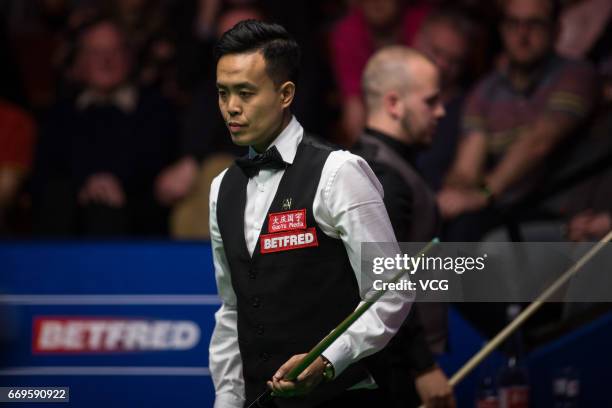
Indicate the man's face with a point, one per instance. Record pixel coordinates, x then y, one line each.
447 48
527 30
251 105
422 105
380 14
104 59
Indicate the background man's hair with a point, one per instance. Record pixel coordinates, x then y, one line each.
279 49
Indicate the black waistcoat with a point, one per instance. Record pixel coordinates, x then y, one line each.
287 300
424 205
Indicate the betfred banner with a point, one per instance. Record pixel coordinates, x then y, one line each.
82 334
119 324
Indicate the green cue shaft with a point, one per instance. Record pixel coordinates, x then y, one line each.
346 323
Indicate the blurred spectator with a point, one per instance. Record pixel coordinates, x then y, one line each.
99 153
515 119
445 37
586 31
17 134
579 198
152 42
369 25
149 36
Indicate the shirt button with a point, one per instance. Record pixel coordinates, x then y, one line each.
256 302
260 187
252 274
260 329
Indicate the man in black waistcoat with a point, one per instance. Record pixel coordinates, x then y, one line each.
401 90
287 223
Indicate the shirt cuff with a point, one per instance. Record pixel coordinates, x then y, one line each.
339 355
228 401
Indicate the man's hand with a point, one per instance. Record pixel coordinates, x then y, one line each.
175 182
102 188
434 389
10 180
305 383
588 226
456 201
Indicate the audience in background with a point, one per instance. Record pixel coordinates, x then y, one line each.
97 152
515 119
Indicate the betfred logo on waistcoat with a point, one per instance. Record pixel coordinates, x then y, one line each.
287 221
106 335
288 240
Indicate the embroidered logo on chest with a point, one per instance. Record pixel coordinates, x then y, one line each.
287 203
287 221
286 241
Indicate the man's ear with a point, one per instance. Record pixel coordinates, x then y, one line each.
393 104
287 92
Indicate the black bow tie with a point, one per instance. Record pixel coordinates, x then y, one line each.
270 159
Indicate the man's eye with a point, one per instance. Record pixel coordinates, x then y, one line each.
221 93
431 102
244 94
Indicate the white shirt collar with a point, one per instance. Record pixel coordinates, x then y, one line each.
125 98
287 141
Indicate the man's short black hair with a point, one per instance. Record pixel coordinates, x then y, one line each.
279 49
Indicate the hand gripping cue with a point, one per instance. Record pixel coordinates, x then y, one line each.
317 350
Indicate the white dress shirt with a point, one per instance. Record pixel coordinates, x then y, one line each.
348 205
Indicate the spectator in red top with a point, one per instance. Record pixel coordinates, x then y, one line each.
370 25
